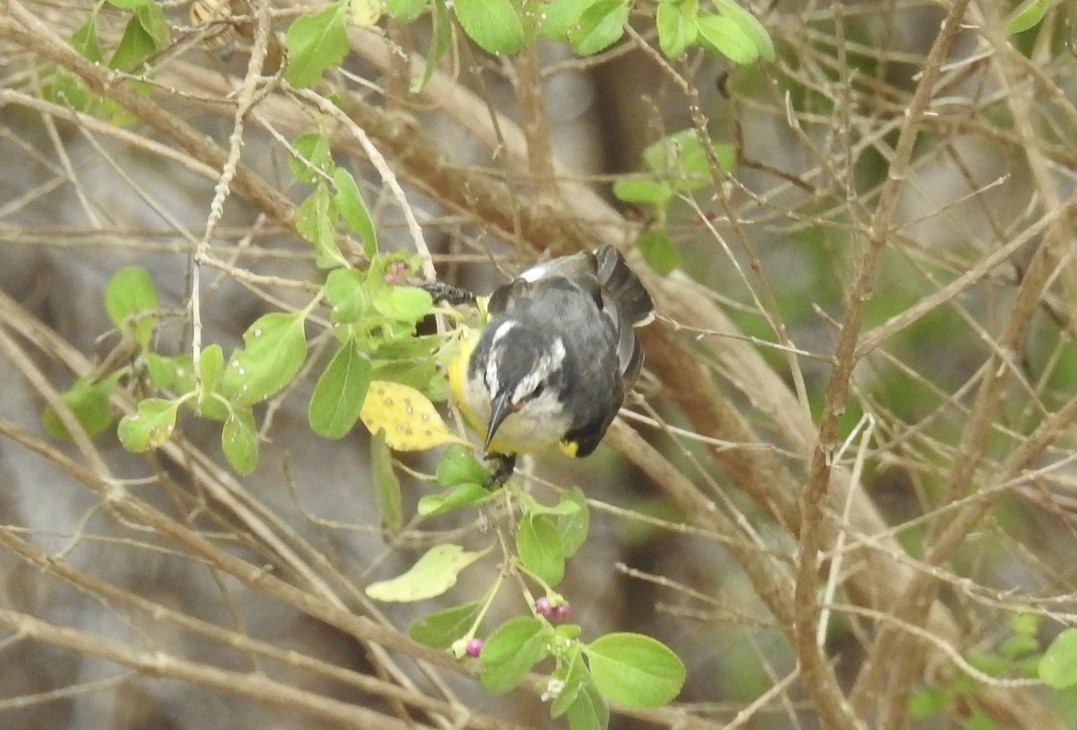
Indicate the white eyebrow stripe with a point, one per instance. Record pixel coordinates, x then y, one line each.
548 363
491 363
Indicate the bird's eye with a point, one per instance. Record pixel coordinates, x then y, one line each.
537 391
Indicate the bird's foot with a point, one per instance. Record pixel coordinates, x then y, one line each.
453 295
504 465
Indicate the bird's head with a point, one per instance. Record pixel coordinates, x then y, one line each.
523 369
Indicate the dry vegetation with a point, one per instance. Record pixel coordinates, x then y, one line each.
848 474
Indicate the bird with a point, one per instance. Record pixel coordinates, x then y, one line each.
555 359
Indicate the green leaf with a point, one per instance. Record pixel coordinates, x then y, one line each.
84 40
1025 624
128 4
676 24
316 221
1018 646
560 15
574 526
316 42
345 290
405 10
315 158
750 26
440 40
150 426
642 192
1058 667
211 368
403 303
1027 15
130 293
154 22
635 670
658 251
589 710
538 543
928 701
239 440
977 720
340 391
494 25
89 402
509 653
275 347
458 465
354 211
726 36
442 628
135 44
573 675
175 372
462 495
600 26
386 485
66 90
681 154
433 574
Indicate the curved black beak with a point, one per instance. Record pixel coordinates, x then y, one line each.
500 408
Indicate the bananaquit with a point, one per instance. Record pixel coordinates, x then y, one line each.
556 358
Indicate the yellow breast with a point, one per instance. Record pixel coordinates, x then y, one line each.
515 435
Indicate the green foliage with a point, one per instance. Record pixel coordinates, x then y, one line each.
635 670
89 402
150 426
386 485
340 391
1027 15
440 40
658 251
353 210
1058 667
145 32
275 347
315 43
239 440
318 216
627 668
676 24
442 628
678 165
732 31
405 10
374 354
458 465
510 652
494 25
130 299
538 543
599 27
84 40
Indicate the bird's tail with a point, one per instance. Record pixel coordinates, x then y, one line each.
621 283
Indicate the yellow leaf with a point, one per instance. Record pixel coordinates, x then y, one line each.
433 574
365 12
407 417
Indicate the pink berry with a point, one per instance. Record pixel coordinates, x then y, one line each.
473 648
542 605
560 611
